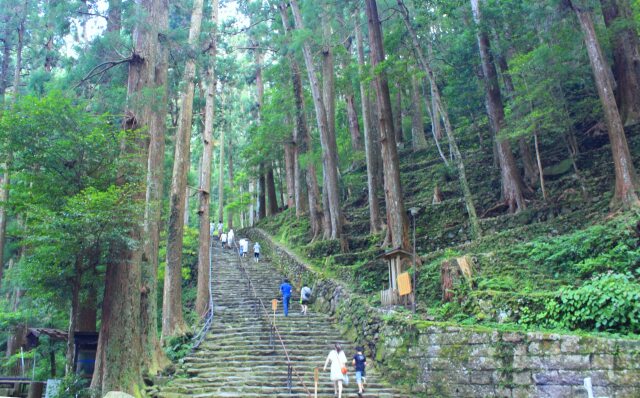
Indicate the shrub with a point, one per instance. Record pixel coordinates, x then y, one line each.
609 302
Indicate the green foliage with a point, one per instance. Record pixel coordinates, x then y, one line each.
323 248
609 302
612 246
178 347
73 386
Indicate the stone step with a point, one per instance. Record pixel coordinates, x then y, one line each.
237 358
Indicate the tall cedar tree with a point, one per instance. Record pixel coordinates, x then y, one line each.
397 225
302 136
204 238
172 320
120 345
371 147
627 185
511 181
327 140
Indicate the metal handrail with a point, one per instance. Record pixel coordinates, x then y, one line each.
208 320
274 328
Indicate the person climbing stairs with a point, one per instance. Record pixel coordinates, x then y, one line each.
241 357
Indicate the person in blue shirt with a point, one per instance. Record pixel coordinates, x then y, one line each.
285 289
360 363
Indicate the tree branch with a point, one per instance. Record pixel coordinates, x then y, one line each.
105 67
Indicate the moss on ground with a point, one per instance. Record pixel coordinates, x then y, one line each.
521 262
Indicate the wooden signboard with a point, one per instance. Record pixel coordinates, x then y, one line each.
404 284
274 304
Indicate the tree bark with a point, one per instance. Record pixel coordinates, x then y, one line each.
272 200
73 312
119 355
370 144
397 225
289 168
4 199
329 148
18 69
439 106
88 311
626 58
4 66
229 212
172 320
397 121
262 195
204 241
252 185
626 185
354 125
221 178
418 140
154 357
510 177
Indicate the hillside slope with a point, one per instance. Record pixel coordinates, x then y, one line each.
571 241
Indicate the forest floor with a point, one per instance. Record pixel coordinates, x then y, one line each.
564 263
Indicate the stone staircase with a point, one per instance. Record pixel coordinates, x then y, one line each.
239 358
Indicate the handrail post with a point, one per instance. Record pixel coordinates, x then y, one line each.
289 382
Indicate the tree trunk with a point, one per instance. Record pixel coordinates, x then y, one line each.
627 185
510 177
439 106
172 320
87 315
329 102
418 140
302 135
204 193
221 179
229 212
354 125
298 174
289 168
327 139
326 214
370 144
280 188
262 196
252 185
4 66
18 70
397 121
119 356
73 312
88 311
529 165
154 357
626 58
397 225
4 198
432 111
272 200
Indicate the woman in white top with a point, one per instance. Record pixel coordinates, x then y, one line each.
338 361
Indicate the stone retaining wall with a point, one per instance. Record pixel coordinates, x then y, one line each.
439 360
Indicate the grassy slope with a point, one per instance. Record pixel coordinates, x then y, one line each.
521 262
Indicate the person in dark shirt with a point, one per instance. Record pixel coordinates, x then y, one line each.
360 363
285 289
